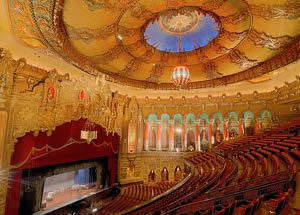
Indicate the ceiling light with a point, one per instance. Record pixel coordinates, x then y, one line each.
181 76
119 37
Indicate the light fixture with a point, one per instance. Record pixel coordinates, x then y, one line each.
181 76
119 37
88 132
178 130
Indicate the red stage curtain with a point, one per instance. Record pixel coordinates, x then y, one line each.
59 148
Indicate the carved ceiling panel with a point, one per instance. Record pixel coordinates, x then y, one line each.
108 36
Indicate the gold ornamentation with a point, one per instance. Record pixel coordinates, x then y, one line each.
113 53
233 36
96 4
131 67
134 46
211 5
156 73
289 10
138 11
128 32
264 40
238 57
235 18
211 71
87 35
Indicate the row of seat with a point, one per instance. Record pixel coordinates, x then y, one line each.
135 194
259 156
209 169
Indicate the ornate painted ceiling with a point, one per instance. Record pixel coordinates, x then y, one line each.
220 41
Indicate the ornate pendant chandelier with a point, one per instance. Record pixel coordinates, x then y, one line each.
181 76
88 132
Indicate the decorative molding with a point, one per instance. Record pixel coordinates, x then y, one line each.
233 36
155 73
267 41
96 4
131 67
211 71
238 57
87 35
289 10
236 18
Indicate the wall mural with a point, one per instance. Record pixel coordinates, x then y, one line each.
189 133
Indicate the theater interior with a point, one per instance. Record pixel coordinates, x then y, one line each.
149 107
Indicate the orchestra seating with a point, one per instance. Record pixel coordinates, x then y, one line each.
236 178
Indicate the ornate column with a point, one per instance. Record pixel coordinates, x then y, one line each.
158 136
241 127
258 126
6 150
146 136
3 126
184 135
210 133
171 135
132 136
140 133
197 136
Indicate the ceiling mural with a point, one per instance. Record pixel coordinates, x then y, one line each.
138 43
181 30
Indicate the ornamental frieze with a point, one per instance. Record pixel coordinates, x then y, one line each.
267 41
211 70
155 73
211 5
138 11
236 18
238 57
97 4
113 53
21 21
128 32
146 56
233 36
87 35
289 10
131 67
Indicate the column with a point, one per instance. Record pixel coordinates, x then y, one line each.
225 129
3 125
171 135
210 133
197 136
184 134
241 127
5 154
158 136
140 134
146 136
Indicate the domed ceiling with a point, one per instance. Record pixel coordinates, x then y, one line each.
139 42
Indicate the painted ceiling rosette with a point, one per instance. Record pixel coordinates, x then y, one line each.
129 40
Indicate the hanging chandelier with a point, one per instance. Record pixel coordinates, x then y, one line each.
181 76
88 132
